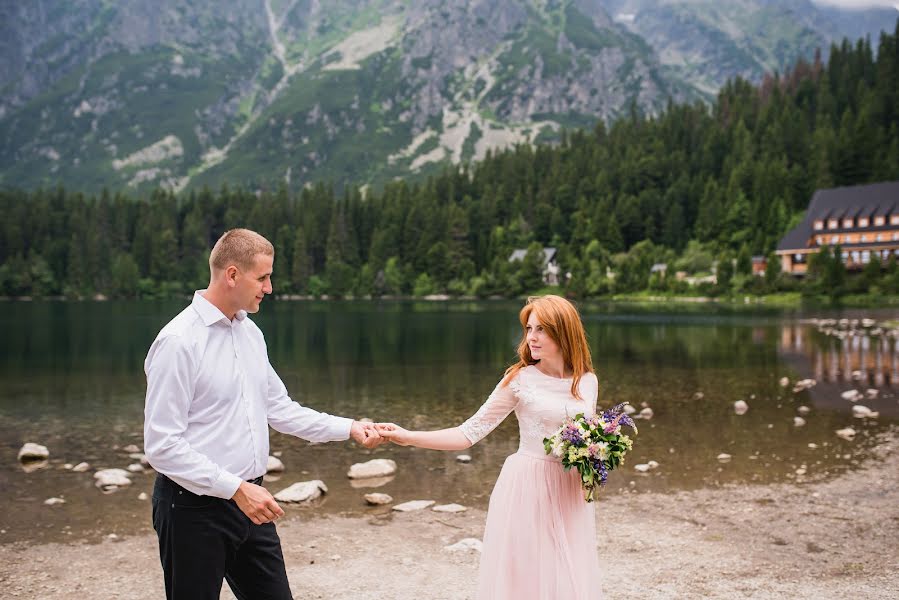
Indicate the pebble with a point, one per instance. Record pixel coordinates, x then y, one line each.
871 393
32 451
378 467
724 457
463 458
81 467
784 381
274 465
740 407
847 433
641 468
646 413
136 468
376 499
131 448
413 505
54 501
863 412
449 508
142 496
798 421
852 395
803 410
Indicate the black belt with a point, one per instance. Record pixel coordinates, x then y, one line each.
257 481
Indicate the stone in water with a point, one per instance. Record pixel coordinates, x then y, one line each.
378 467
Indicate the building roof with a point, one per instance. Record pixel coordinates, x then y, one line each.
836 203
519 254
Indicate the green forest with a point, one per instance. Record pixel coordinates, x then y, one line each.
696 187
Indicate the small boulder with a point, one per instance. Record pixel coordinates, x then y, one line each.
872 393
32 451
110 479
131 449
804 384
852 395
303 491
377 499
463 458
740 407
413 505
54 501
863 412
856 375
449 508
847 433
798 422
142 496
378 467
641 468
653 464
274 465
81 467
646 413
465 545
724 457
784 381
803 410
136 468
629 410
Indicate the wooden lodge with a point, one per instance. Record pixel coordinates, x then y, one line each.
863 220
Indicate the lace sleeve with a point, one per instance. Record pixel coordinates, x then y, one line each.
497 407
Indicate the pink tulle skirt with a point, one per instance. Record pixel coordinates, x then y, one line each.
540 538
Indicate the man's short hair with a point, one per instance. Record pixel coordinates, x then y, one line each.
238 247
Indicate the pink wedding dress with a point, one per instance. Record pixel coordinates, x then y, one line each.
540 537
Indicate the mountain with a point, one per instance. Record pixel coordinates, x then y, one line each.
182 94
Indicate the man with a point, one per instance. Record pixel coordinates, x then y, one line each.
211 396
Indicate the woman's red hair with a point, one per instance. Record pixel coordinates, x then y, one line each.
561 321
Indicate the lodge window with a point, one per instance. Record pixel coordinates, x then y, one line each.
864 238
894 219
866 257
845 257
879 237
847 223
833 224
855 256
819 224
863 222
798 258
834 239
896 237
819 240
878 221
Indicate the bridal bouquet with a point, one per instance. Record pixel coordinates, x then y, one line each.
594 446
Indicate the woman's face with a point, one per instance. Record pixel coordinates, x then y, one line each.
542 346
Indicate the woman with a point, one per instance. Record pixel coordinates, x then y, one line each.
540 538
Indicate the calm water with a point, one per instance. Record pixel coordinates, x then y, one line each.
71 379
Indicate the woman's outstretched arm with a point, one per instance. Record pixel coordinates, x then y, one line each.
441 439
497 407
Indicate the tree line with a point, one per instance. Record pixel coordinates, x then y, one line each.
697 187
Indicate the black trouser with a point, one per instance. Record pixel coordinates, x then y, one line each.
204 539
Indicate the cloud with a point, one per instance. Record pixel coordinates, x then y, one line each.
861 3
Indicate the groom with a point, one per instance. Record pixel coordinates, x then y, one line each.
211 396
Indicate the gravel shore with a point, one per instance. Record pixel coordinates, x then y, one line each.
832 539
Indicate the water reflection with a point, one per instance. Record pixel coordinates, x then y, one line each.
844 360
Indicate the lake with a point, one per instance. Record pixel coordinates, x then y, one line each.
72 380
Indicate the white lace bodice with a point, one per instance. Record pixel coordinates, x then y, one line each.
540 402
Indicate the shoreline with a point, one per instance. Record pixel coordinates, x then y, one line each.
774 301
784 540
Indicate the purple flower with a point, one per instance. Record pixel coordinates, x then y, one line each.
615 417
572 435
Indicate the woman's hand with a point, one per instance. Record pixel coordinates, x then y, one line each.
394 433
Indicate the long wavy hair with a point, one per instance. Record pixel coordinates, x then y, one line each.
561 321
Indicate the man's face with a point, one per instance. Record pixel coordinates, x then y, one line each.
252 285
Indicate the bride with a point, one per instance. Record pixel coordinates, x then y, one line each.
540 537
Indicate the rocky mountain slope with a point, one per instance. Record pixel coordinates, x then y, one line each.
184 93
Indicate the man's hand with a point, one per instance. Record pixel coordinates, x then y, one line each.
257 503
365 434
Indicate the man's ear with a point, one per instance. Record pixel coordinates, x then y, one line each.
231 276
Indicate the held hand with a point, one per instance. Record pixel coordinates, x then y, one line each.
365 434
257 503
394 433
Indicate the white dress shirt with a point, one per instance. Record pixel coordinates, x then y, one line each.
211 395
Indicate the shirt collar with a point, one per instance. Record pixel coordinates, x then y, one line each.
210 313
